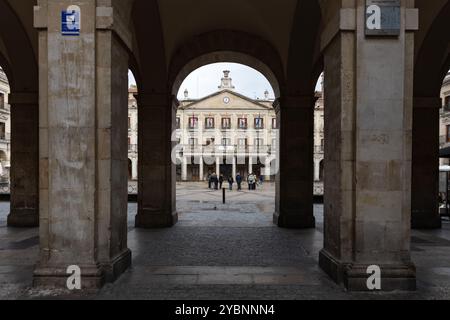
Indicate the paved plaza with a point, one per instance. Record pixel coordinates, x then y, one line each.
218 251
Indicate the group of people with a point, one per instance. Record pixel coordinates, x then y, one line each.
216 182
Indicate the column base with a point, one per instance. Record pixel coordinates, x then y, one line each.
294 220
148 219
426 221
92 277
118 266
23 218
354 276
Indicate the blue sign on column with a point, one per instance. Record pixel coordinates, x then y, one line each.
71 21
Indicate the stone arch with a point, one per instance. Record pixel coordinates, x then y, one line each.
19 59
20 64
433 58
226 46
432 62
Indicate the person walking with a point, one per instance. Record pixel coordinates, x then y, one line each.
239 181
215 181
230 182
221 180
251 181
209 180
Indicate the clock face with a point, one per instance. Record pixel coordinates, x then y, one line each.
226 100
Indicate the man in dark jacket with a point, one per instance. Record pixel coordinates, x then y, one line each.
230 182
239 181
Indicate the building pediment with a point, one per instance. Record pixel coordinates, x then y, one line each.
227 100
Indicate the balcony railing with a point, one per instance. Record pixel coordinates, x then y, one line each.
221 149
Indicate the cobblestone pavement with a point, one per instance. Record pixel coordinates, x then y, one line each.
217 251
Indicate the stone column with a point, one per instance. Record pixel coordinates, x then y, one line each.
234 171
425 163
250 164
157 171
135 169
294 199
317 170
184 167
83 146
24 160
368 131
267 169
201 169
218 166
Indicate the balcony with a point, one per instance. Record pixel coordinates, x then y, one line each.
221 149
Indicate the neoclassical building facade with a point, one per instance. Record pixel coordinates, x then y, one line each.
227 133
5 130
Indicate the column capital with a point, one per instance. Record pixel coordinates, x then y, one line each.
427 103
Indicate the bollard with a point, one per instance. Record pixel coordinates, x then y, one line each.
224 199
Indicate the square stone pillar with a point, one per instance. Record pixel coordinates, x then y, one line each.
157 169
24 160
425 163
368 151
295 179
83 147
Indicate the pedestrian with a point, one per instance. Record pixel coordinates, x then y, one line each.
209 180
251 181
230 182
215 181
239 181
221 180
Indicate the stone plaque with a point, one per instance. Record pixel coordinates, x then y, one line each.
383 17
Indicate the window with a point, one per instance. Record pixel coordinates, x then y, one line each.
274 144
259 142
2 101
322 145
447 102
274 123
259 123
209 123
242 123
226 142
178 123
2 131
226 123
193 142
193 123
242 143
